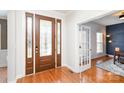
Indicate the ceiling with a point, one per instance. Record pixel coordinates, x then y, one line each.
109 20
64 11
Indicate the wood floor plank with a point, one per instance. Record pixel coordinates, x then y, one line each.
3 75
64 75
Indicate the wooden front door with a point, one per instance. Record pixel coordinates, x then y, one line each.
44 43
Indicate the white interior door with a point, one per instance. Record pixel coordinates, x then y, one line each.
84 48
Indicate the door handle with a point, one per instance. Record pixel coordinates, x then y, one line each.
36 50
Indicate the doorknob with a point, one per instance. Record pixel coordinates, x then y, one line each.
80 46
36 50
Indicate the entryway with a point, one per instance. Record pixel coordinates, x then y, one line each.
43 45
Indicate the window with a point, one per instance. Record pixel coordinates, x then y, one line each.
59 37
45 38
99 42
29 37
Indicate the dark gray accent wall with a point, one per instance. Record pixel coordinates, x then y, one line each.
3 23
117 36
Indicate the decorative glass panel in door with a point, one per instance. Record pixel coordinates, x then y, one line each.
29 37
45 38
45 43
29 43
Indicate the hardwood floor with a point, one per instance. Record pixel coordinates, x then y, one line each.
64 75
3 75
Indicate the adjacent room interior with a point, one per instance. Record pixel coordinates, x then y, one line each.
64 46
3 46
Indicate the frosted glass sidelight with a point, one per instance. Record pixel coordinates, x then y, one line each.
59 37
45 38
29 37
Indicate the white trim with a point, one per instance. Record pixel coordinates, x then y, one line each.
33 43
19 76
14 81
71 68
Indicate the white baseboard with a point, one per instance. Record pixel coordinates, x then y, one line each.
99 56
110 55
19 76
3 65
72 69
14 81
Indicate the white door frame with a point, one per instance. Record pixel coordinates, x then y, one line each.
0 36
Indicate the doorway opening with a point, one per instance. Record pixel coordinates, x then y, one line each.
3 46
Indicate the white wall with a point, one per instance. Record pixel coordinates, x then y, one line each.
72 21
95 27
20 44
11 74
